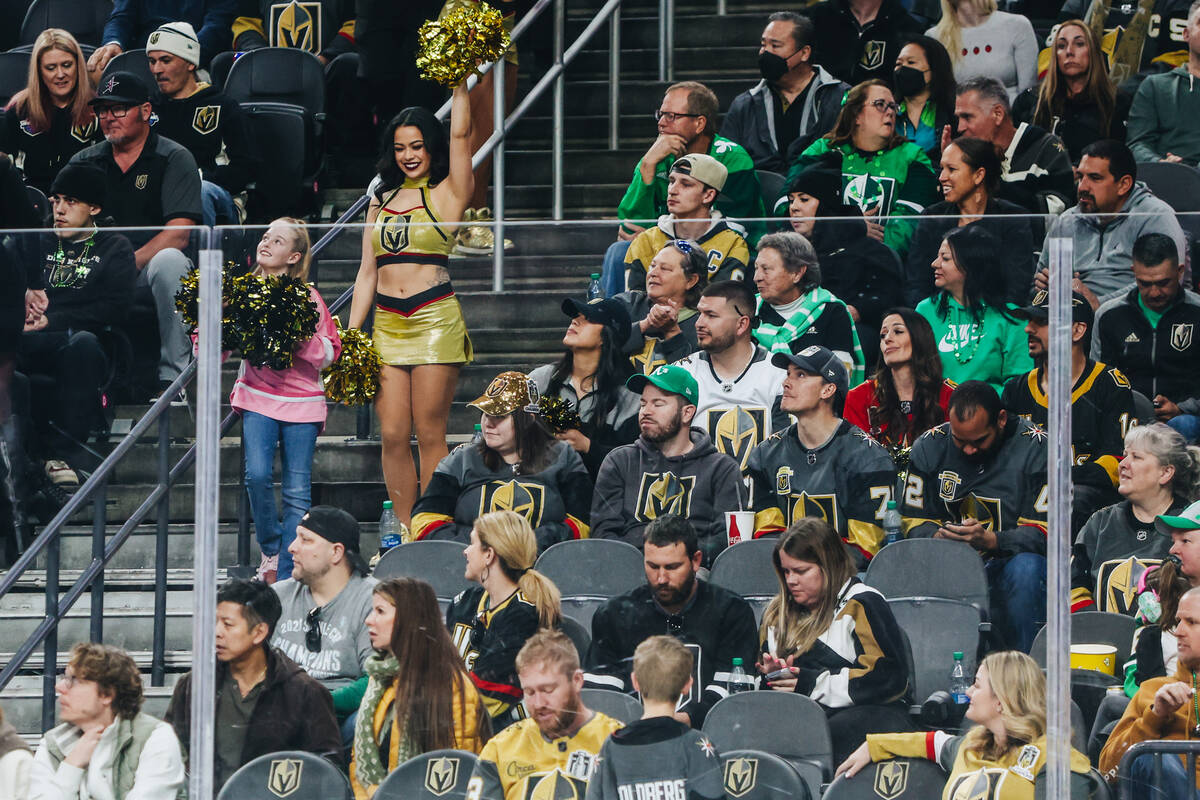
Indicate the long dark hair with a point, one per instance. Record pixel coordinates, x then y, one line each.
437 142
856 101
975 251
533 445
1169 582
611 372
941 71
431 670
1052 94
926 366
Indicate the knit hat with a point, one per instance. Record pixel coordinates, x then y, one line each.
178 39
83 182
823 180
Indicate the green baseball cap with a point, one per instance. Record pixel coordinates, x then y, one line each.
669 378
1189 520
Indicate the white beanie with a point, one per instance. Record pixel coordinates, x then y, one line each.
178 39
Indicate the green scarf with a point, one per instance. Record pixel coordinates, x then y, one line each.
369 766
778 338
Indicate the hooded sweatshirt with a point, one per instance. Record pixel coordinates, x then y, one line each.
1162 118
637 484
1139 723
856 53
1104 249
213 128
723 241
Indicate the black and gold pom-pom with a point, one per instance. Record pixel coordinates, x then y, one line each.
559 414
453 44
353 380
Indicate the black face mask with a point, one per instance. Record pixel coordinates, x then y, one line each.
771 66
908 81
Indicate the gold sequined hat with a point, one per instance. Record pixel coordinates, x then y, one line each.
508 392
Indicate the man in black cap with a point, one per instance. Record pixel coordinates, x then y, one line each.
153 183
1101 405
84 285
325 606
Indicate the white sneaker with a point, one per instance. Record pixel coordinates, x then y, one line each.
268 568
60 473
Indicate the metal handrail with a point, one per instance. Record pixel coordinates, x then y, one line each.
1157 747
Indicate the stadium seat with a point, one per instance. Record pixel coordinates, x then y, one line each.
439 563
1143 409
292 774
582 609
40 203
83 19
771 186
895 779
759 775
134 61
1177 185
618 705
902 570
439 775
593 567
936 628
791 726
1094 627
288 168
578 634
747 569
278 75
1099 787
14 74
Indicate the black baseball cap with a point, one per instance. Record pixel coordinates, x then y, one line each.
336 527
1039 308
819 361
609 313
122 88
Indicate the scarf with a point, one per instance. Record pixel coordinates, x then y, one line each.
369 766
778 338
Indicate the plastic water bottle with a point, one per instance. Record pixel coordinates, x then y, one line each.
389 528
891 523
958 682
738 681
478 436
595 291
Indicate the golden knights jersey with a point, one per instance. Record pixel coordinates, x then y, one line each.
520 764
847 481
312 25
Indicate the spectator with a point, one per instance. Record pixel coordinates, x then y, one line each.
1165 106
821 466
1114 210
151 182
1161 709
794 311
591 376
693 185
517 465
907 395
559 742
324 604
50 120
856 268
259 689
1159 475
924 84
795 102
984 42
859 40
1077 100
1101 405
104 745
489 623
970 178
664 316
82 285
284 405
673 468
201 118
1036 172
835 638
980 478
886 176
419 327
131 21
1147 334
715 624
739 387
658 750
418 697
978 337
1008 708
16 761
1162 42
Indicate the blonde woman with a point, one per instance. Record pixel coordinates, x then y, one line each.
50 120
985 42
491 622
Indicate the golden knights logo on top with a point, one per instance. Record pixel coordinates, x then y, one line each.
1117 584
891 779
441 775
527 499
741 775
799 506
664 493
206 119
736 431
284 776
296 24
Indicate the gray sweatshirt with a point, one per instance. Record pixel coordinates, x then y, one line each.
1163 117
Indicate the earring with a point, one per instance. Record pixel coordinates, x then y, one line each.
487 570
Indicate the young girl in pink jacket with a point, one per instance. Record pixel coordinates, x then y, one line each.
284 406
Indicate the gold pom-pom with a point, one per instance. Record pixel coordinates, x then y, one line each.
353 380
452 45
559 414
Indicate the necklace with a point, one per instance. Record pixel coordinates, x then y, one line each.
78 265
966 332
1195 707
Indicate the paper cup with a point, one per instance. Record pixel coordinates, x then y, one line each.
1098 657
739 526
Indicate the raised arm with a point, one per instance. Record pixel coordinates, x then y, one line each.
462 177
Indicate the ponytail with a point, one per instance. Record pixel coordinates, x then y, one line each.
512 538
541 591
1170 584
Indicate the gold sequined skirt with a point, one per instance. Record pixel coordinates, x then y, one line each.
422 329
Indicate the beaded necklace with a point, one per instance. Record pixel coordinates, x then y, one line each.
80 267
1195 706
956 311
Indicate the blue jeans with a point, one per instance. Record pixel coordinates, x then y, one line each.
216 205
1188 426
260 435
1174 784
1018 597
613 276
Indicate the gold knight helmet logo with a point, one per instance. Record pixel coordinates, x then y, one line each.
526 499
297 25
891 779
664 493
441 774
1117 583
741 774
555 786
394 238
206 119
284 776
736 431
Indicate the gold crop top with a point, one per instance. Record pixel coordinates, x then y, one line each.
412 235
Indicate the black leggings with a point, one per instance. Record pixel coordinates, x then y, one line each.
848 727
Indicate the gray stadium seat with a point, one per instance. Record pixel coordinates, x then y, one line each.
578 635
439 775
292 774
1094 627
1100 789
758 775
902 569
134 61
618 705
439 563
895 779
747 569
1177 185
287 168
936 627
791 726
1143 408
593 567
771 186
83 19
582 609
278 75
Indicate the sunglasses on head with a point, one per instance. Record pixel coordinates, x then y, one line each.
312 630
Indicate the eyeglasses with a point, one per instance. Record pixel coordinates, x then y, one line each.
69 679
671 116
116 111
312 630
884 106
